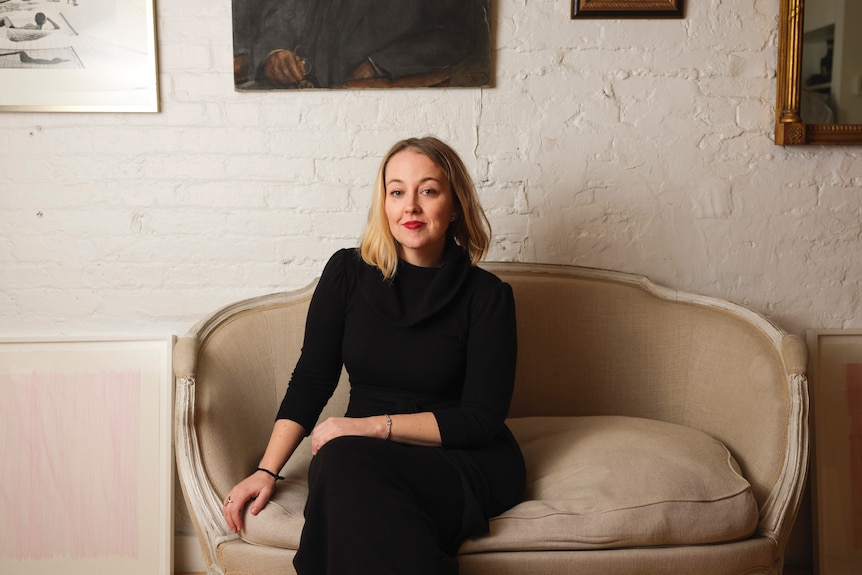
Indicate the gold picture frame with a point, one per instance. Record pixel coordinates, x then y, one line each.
790 128
835 369
78 56
614 9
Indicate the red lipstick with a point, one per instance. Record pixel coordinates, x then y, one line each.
413 225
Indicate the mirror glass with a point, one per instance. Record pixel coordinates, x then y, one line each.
832 62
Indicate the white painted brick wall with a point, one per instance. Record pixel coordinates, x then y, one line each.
640 145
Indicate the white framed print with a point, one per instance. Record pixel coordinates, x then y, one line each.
78 56
85 438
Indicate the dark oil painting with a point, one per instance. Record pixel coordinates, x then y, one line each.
351 44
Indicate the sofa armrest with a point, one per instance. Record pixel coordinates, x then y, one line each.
785 498
231 370
185 356
197 489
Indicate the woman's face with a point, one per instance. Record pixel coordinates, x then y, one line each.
419 207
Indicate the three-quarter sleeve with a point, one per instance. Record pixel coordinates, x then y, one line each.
490 371
319 367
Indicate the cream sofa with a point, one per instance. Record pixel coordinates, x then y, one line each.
663 432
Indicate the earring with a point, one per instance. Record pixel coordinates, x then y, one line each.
453 218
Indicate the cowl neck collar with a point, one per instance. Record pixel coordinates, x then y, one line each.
440 286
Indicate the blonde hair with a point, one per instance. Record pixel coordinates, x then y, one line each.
470 230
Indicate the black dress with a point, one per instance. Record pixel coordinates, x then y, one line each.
438 340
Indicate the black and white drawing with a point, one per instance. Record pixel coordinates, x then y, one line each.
56 52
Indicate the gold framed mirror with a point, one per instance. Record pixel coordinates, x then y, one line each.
818 85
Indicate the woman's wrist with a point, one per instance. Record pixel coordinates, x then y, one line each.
387 427
272 474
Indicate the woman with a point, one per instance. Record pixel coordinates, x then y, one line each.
423 457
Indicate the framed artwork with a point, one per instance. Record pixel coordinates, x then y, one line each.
627 9
78 56
86 483
835 366
352 44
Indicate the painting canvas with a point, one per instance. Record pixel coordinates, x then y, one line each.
78 56
836 395
352 44
85 485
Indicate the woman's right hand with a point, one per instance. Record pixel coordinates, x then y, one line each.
256 489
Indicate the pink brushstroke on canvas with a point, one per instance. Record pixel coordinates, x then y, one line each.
70 447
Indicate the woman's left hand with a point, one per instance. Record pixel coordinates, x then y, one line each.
335 427
411 428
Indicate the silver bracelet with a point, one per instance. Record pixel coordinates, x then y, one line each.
388 427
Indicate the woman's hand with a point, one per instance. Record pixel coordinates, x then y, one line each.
412 428
256 489
343 426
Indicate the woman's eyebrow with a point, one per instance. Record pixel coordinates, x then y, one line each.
422 181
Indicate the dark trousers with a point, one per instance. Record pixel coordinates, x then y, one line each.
377 507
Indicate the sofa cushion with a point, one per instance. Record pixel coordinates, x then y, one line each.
607 482
598 482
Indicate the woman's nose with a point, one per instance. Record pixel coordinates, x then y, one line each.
412 206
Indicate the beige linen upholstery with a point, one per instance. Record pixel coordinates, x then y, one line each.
625 392
608 482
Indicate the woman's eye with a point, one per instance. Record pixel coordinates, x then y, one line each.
396 193
429 192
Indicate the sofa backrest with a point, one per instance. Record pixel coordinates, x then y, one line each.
593 342
590 342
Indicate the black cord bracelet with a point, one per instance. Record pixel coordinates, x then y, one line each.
270 473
